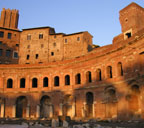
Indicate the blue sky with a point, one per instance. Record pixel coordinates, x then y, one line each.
99 17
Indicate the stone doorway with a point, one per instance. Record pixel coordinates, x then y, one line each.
67 106
21 105
89 104
45 107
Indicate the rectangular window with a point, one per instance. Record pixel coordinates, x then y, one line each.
40 36
28 37
1 34
9 35
15 55
17 45
1 52
8 53
0 42
28 56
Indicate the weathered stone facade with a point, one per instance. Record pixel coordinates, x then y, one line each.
64 75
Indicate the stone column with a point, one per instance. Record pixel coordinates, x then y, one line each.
2 110
61 109
14 111
38 111
84 110
94 109
27 111
73 110
51 111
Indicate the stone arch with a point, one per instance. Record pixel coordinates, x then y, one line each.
89 104
34 83
134 100
45 107
56 81
120 69
21 106
109 72
45 82
67 105
67 80
78 78
98 75
22 83
10 83
110 102
88 77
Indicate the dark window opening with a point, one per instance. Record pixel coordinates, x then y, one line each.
17 45
29 37
109 72
0 42
56 81
9 35
36 56
78 38
67 80
78 79
52 53
8 53
28 46
1 52
9 83
22 83
40 36
45 82
65 40
34 83
98 75
1 34
120 69
128 34
15 55
28 56
88 77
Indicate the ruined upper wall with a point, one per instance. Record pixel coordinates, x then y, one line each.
9 18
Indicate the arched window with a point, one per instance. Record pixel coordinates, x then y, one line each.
45 82
67 80
34 82
109 72
78 79
88 77
22 83
56 81
9 83
98 75
120 69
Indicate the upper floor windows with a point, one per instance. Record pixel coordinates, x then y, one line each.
45 82
36 56
34 83
15 55
8 53
40 36
78 38
22 83
1 34
28 37
28 56
66 40
9 35
67 80
109 72
56 81
98 75
9 83
0 42
78 78
120 69
88 77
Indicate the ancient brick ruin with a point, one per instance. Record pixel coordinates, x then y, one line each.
46 74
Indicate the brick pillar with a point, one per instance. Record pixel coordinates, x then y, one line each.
2 110
14 111
73 110
61 109
51 111
28 111
38 111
